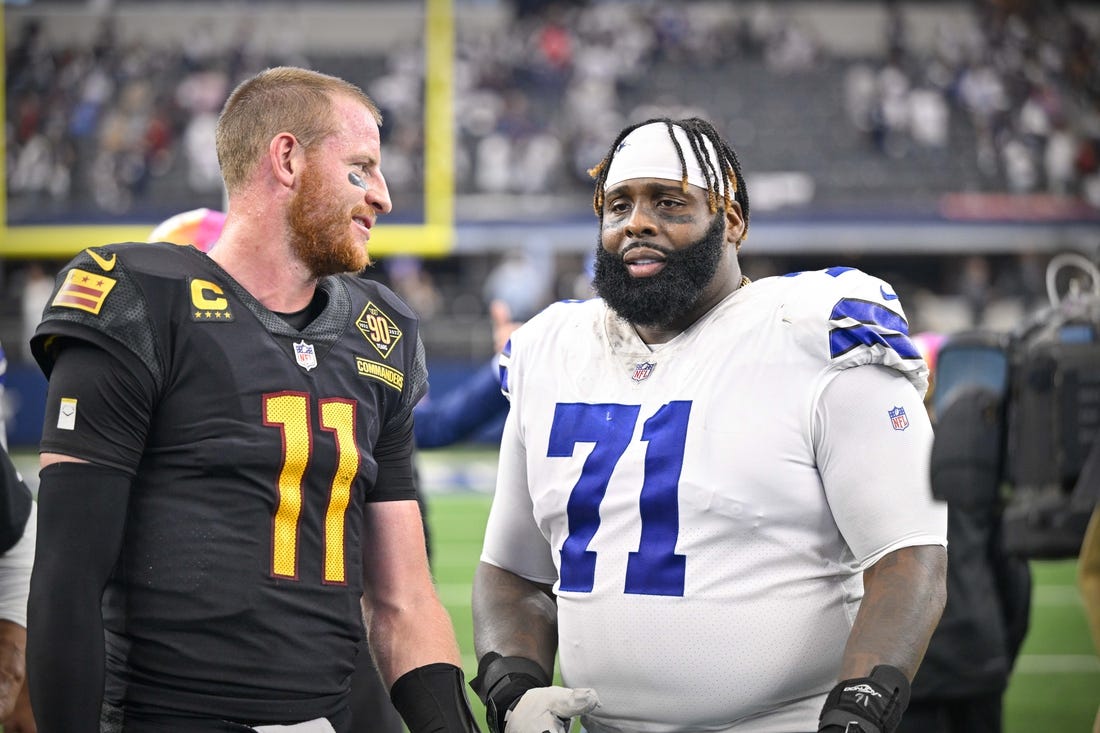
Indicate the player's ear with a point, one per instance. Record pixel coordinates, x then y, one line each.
285 156
735 224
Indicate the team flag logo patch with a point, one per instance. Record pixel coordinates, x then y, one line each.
899 419
379 329
84 291
305 355
642 370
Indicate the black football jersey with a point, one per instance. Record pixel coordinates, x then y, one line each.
240 575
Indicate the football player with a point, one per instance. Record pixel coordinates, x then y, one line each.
18 521
227 457
713 500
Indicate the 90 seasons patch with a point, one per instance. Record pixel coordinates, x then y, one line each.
379 329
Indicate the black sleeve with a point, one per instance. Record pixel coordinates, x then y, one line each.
98 406
394 454
15 503
81 519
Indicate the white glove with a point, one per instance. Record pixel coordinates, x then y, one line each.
549 709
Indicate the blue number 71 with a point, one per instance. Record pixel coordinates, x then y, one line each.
655 569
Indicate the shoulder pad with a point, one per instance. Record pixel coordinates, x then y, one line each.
97 298
852 318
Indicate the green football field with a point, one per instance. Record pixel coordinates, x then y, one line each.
1055 687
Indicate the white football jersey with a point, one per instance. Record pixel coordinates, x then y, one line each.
703 527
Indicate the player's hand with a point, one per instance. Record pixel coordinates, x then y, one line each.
549 709
503 325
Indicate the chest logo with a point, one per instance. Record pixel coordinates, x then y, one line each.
208 302
642 370
379 329
305 355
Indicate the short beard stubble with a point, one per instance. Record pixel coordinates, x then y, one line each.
321 235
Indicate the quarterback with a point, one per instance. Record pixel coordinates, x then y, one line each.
227 457
712 503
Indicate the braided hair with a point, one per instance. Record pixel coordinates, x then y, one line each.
730 185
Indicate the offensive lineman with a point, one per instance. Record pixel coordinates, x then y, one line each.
713 499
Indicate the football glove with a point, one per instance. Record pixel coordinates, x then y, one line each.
506 684
548 709
871 704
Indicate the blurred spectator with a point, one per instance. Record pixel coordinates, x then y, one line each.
199 228
36 289
414 284
928 116
523 281
975 286
201 94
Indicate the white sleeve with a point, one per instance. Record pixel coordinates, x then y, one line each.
15 572
873 441
513 540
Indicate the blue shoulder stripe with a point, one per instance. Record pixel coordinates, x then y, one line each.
835 271
877 325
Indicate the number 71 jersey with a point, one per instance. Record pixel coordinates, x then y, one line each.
673 498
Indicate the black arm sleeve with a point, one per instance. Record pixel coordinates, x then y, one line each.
109 398
81 519
394 455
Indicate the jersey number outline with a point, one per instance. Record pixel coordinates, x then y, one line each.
655 568
290 413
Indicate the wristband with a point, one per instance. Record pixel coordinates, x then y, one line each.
432 699
501 682
872 704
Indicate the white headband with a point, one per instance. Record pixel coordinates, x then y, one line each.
648 152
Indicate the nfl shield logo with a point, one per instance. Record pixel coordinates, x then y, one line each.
642 370
898 418
305 355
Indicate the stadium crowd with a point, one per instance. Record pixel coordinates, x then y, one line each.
112 127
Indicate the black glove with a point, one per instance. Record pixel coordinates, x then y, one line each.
501 682
866 704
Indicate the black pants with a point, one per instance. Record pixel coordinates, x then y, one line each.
977 714
371 709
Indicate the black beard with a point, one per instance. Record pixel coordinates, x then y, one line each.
661 300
